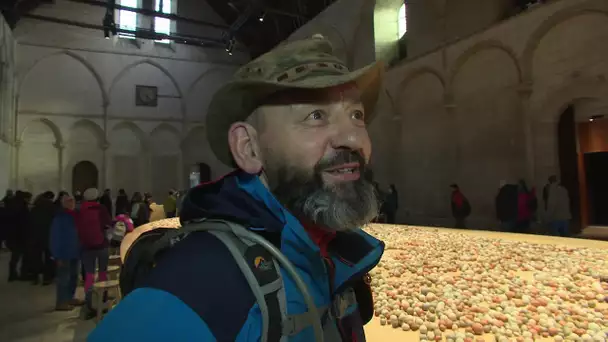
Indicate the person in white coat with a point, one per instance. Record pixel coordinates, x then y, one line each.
558 213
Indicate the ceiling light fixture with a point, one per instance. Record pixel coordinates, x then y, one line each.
261 18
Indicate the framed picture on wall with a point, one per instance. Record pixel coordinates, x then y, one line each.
146 96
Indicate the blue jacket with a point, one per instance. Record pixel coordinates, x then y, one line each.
64 242
196 292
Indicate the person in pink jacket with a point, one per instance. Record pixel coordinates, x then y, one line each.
92 221
122 226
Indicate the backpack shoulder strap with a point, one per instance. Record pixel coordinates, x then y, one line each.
261 271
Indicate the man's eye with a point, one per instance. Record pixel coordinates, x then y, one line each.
358 115
316 115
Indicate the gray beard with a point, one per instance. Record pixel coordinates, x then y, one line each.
339 207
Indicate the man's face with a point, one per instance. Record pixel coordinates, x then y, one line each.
315 150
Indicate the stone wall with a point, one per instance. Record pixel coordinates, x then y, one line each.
7 102
77 102
485 107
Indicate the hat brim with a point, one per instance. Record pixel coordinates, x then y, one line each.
236 100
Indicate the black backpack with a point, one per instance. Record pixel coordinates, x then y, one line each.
248 249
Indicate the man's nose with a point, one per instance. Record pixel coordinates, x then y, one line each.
348 133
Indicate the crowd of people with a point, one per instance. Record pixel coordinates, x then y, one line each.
517 207
54 239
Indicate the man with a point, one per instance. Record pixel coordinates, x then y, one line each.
123 205
106 201
170 204
558 213
506 206
293 123
5 215
65 248
39 255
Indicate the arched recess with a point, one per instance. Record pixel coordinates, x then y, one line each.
418 72
39 166
84 142
165 154
170 100
201 92
423 142
488 123
84 175
591 7
478 48
196 150
128 163
62 82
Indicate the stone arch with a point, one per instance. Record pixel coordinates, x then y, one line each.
77 57
477 48
139 133
550 109
599 7
56 131
206 74
419 72
201 91
162 69
97 131
166 127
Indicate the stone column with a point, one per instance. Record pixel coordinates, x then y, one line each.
15 164
60 146
525 91
452 118
104 165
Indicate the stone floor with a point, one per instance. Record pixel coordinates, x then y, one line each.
26 313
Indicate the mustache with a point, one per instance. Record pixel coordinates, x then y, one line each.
340 158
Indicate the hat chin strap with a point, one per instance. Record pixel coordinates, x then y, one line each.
264 178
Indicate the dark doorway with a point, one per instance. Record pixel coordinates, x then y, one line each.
84 176
205 172
596 167
568 158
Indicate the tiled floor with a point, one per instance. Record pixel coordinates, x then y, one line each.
26 313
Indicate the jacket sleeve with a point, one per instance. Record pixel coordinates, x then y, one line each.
151 315
57 245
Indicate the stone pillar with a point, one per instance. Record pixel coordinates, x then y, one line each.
60 146
452 118
104 165
525 91
15 164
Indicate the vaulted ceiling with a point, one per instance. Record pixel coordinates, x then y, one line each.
258 24
279 19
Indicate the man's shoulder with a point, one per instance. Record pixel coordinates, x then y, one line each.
202 273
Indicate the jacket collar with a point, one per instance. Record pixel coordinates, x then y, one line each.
243 198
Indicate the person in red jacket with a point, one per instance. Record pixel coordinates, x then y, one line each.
91 222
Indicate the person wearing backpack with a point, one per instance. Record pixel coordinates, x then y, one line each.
272 251
122 225
92 222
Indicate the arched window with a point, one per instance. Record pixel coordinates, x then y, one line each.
402 21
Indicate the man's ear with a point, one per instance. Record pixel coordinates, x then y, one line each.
244 146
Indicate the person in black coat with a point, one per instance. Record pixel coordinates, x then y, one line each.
41 218
106 201
391 203
5 215
123 205
506 207
16 234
